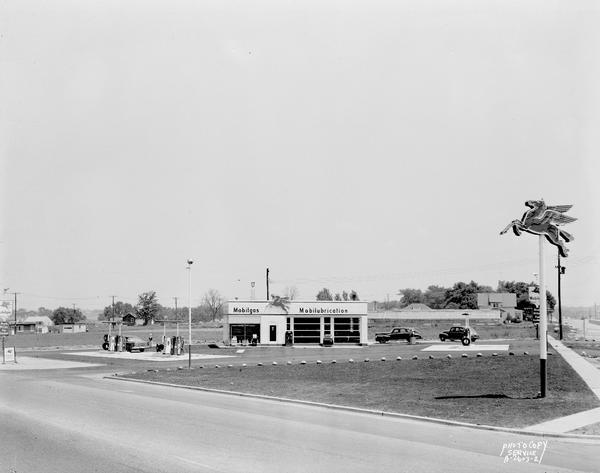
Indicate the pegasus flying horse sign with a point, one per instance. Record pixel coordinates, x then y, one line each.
542 219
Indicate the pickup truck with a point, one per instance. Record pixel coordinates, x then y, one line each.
397 333
465 334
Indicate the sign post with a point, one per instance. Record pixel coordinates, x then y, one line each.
3 333
544 220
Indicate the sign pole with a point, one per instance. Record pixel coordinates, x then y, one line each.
543 321
3 360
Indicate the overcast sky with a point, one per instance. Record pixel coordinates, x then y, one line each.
367 145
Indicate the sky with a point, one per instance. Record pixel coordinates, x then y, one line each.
366 145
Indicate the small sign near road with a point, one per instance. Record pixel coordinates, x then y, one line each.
9 355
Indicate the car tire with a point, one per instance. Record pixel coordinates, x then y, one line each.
466 341
443 339
142 350
105 346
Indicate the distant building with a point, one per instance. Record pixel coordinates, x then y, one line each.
32 324
505 302
417 307
72 328
131 319
42 323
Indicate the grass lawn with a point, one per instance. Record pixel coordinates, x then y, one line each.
487 390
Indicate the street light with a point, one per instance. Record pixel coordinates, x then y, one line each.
189 268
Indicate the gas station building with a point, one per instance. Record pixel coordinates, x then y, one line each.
305 322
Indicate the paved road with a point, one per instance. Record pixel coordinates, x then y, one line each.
77 421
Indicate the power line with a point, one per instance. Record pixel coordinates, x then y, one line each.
410 274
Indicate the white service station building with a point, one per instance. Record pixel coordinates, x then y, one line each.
306 322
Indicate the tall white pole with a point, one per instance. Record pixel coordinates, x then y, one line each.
543 322
189 313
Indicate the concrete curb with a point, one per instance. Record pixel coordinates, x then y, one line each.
593 438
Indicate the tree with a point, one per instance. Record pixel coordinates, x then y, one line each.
214 303
344 295
121 309
42 311
147 307
464 296
324 295
337 297
63 315
410 296
435 297
354 295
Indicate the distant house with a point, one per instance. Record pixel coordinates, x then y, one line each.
21 327
505 302
131 319
32 324
42 323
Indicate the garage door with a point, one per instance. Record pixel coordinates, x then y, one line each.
307 330
347 330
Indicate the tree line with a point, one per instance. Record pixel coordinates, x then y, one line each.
147 308
462 296
325 295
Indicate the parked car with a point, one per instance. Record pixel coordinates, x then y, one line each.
135 344
465 334
397 333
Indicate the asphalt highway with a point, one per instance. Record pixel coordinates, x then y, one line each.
76 421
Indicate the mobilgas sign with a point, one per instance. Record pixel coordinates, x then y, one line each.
311 308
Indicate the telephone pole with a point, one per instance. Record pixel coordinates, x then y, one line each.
15 294
176 315
267 283
189 268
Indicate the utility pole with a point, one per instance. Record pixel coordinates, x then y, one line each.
189 268
176 315
268 284
561 270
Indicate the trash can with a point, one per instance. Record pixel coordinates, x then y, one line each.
289 338
412 340
327 341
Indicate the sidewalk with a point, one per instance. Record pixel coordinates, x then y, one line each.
591 375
